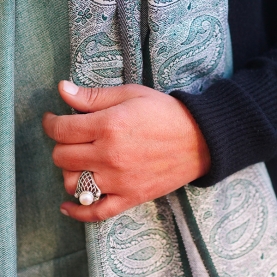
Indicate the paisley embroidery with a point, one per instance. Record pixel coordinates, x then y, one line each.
186 54
128 246
235 221
231 228
162 3
83 16
96 50
140 242
93 67
242 238
193 63
187 43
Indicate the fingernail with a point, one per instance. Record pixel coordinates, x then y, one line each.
70 88
63 211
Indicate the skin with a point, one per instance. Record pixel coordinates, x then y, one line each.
139 143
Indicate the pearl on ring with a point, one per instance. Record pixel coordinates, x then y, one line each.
86 198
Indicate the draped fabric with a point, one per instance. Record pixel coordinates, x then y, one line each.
42 49
34 56
169 45
191 228
7 160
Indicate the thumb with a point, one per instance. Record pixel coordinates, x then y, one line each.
94 99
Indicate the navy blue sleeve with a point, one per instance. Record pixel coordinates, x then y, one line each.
238 118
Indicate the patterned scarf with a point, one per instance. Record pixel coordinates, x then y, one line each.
224 230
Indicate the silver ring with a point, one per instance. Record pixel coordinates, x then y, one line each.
87 191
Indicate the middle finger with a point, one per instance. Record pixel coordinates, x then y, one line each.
77 157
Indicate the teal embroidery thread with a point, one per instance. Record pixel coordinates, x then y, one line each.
250 234
120 240
187 43
176 73
97 68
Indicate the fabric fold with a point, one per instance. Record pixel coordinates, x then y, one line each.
186 47
7 160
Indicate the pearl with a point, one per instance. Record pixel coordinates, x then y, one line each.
86 198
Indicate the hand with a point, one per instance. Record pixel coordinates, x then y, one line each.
139 143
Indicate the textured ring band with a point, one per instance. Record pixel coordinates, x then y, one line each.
87 191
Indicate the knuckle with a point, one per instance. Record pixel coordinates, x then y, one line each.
58 131
111 131
115 150
91 95
115 159
116 124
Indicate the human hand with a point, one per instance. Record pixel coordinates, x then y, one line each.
139 143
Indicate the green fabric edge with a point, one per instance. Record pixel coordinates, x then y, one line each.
195 232
7 160
183 252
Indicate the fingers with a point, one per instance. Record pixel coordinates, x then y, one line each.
78 128
102 209
108 206
77 157
71 179
89 100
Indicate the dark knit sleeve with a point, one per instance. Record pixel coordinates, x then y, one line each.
238 118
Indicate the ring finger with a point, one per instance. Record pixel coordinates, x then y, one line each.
71 179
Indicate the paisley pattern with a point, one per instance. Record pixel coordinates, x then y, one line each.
129 24
246 232
162 3
235 221
127 252
98 68
182 69
95 44
228 229
140 242
187 54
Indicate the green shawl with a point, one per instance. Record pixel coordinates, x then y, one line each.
225 230
169 45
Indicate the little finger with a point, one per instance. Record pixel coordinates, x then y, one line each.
109 206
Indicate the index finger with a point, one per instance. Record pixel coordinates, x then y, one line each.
69 129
